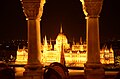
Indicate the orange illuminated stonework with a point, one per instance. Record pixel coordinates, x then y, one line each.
107 55
75 55
22 56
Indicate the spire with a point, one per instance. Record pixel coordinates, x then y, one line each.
106 47
61 29
62 59
45 42
111 50
80 40
18 47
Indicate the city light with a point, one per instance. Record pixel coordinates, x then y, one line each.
76 55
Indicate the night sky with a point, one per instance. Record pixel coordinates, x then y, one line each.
56 12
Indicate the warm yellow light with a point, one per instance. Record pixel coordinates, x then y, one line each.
75 56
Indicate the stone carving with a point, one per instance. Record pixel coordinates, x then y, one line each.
33 9
92 8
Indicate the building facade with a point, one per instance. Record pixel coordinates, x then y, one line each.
75 54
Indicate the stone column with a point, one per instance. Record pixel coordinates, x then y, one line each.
93 67
33 10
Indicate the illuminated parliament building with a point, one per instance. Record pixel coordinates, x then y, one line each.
75 54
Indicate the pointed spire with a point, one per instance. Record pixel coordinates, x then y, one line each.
18 47
111 49
24 47
62 59
11 57
45 43
80 40
105 46
61 29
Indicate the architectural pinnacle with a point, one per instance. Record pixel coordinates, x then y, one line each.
61 29
62 59
45 40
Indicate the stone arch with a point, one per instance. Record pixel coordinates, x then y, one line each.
33 10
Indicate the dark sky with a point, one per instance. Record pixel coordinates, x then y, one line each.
56 12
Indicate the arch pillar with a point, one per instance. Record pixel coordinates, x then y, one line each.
93 67
33 10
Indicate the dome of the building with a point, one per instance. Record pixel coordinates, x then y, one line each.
61 38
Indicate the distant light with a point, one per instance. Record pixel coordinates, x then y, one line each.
7 46
118 40
26 18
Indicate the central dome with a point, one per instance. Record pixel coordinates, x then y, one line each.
61 37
